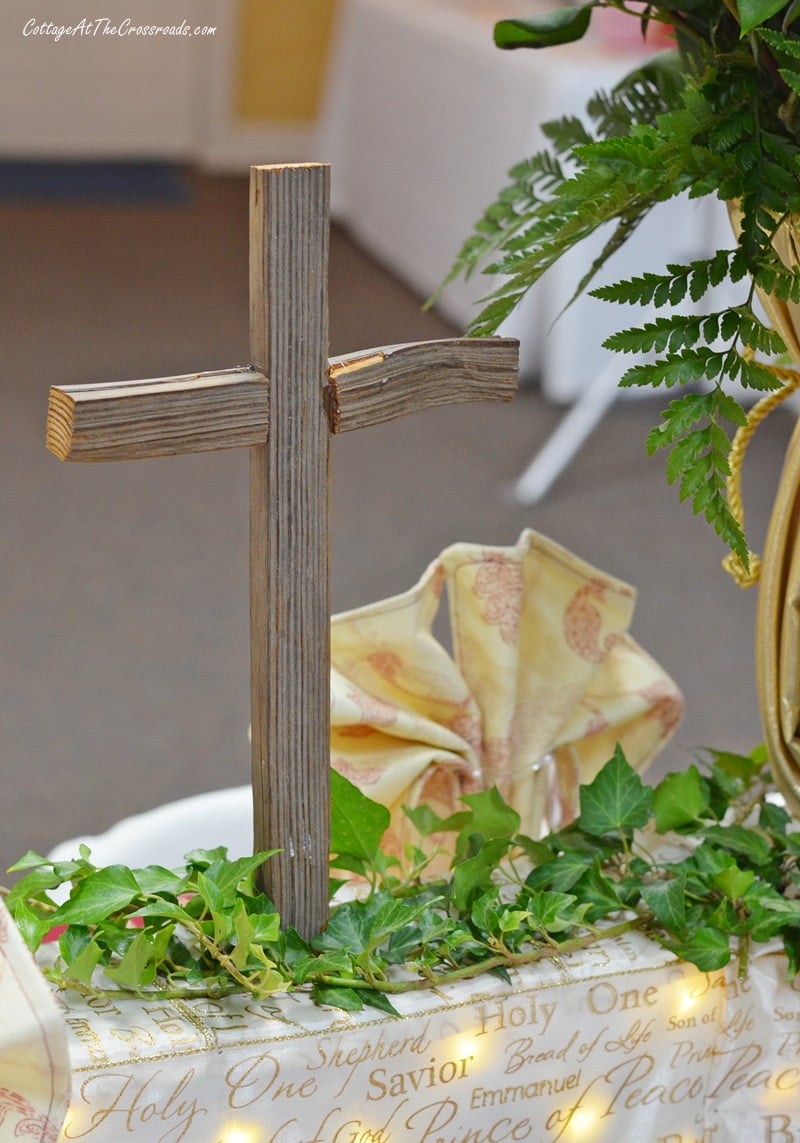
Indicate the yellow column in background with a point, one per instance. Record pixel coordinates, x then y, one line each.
283 49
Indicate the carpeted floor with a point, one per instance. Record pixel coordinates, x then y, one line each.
123 588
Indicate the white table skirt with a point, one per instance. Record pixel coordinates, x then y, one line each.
619 1042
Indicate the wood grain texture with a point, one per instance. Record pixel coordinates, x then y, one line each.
289 590
381 384
131 420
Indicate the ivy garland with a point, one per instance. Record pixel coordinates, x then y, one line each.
509 900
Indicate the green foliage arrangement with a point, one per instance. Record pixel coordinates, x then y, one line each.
508 900
718 116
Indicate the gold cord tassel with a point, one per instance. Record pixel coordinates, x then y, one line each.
744 576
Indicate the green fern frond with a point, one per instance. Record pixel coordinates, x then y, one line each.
756 376
676 332
774 278
792 78
622 232
698 457
684 368
644 290
722 121
565 133
780 42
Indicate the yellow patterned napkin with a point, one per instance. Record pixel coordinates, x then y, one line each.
543 680
34 1064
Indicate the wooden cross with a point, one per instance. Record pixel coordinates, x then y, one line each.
284 406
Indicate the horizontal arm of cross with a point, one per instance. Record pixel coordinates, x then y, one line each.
200 412
131 420
381 384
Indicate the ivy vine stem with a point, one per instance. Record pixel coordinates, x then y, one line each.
491 964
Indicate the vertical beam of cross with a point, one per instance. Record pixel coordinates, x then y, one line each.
289 579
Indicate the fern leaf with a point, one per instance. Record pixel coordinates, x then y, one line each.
729 409
673 333
635 291
679 417
791 78
622 233
566 133
755 376
682 368
779 41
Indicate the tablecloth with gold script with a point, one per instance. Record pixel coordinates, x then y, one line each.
619 1042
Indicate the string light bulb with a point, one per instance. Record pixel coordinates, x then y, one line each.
241 1133
582 1124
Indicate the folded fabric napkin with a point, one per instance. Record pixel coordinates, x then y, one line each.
542 682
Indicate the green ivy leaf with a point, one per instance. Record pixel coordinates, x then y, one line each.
491 815
30 860
537 852
348 928
598 893
791 946
775 820
734 882
707 948
555 912
667 900
679 800
394 915
357 823
559 874
753 13
617 800
348 999
266 927
34 885
73 941
82 966
560 26
426 821
430 927
470 876
32 925
737 839
229 875
336 962
155 879
202 858
131 971
97 896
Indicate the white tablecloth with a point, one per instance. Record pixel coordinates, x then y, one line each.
618 1042
425 116
34 1060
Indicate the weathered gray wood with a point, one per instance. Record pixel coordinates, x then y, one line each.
132 420
280 407
381 384
289 590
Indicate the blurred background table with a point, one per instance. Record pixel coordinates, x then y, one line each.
425 116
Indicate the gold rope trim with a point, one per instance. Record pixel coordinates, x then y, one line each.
746 577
